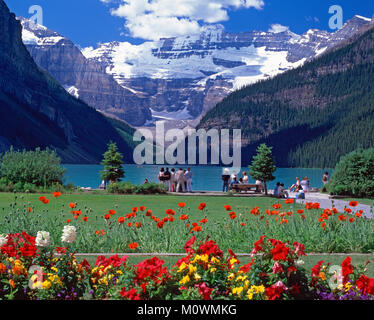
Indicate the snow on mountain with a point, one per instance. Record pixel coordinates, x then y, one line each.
181 78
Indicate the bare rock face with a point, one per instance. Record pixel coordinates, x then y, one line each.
36 111
180 78
81 77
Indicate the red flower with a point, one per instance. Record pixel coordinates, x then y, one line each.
44 200
56 194
259 244
142 208
353 203
317 269
85 219
203 221
160 224
188 245
274 292
347 269
183 217
170 211
121 220
181 204
133 245
134 209
131 294
202 206
342 217
289 201
112 212
72 205
365 284
107 216
280 252
148 213
205 291
227 207
28 209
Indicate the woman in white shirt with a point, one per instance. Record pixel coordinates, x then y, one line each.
245 178
305 184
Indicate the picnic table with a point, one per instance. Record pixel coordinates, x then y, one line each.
255 188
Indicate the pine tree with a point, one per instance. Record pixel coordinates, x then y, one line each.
263 165
112 162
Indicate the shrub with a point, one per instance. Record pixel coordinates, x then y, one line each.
354 174
128 188
41 168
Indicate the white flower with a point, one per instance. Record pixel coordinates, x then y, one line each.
3 240
42 239
299 262
69 234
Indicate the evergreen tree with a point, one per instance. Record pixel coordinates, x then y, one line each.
263 165
112 162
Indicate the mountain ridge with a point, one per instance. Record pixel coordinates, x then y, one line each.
36 111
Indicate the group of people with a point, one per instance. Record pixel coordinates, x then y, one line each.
177 180
230 180
300 187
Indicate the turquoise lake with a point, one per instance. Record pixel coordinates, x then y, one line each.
205 178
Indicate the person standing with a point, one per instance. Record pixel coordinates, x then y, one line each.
188 177
225 179
167 176
179 175
160 176
325 178
172 180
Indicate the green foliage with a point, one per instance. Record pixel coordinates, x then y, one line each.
311 115
129 188
354 174
112 162
263 165
27 170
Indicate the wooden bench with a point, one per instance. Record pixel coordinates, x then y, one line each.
246 187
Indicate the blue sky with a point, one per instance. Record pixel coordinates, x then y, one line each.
88 22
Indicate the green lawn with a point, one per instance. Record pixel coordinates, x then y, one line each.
238 234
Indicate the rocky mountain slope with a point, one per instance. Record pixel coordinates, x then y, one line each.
311 115
35 111
177 79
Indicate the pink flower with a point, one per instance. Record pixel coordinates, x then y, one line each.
281 285
277 267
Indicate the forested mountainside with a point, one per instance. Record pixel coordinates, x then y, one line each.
311 115
36 111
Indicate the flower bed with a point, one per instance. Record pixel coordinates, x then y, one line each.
31 269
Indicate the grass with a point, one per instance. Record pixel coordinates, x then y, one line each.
339 236
367 201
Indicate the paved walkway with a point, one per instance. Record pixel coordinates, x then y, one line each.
327 202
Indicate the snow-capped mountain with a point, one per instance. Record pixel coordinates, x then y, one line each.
181 78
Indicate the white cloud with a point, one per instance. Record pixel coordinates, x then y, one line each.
155 19
277 28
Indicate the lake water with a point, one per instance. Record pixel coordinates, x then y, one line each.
205 178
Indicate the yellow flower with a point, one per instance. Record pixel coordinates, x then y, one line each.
233 261
231 277
348 286
119 272
213 270
46 284
241 278
246 285
185 279
205 258
192 269
54 269
237 290
182 267
250 295
197 277
322 275
214 260
196 259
